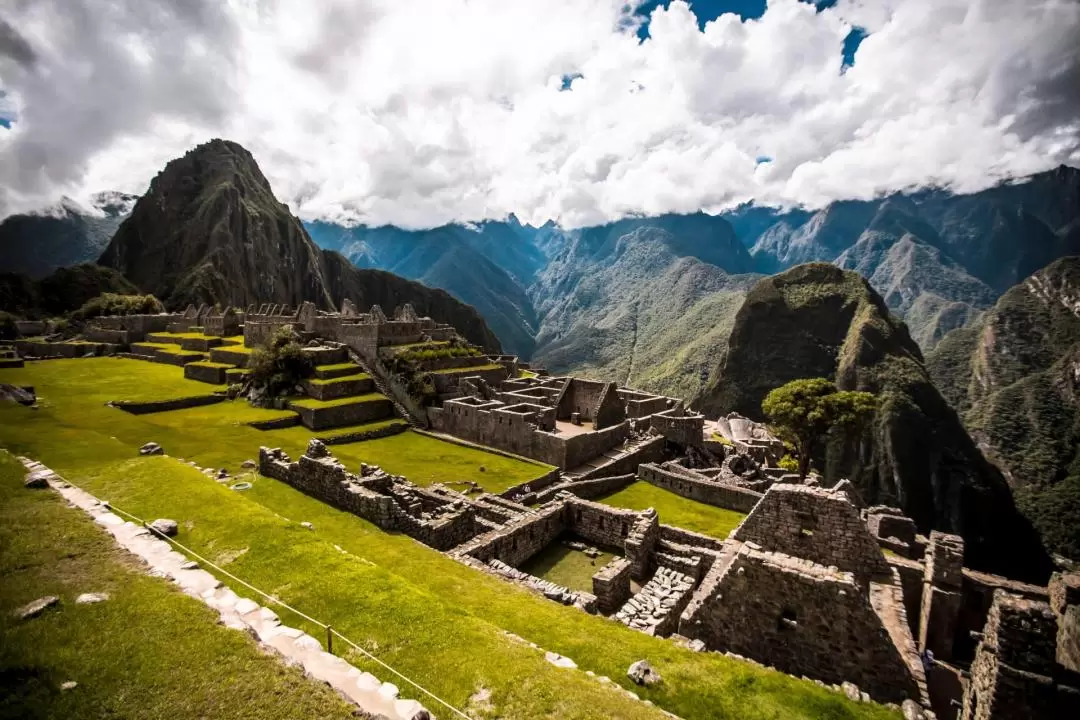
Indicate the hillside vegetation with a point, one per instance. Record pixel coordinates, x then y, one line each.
816 320
1015 377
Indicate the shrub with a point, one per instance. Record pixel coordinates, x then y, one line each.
280 365
789 463
8 331
114 304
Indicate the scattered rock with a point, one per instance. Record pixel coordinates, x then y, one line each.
696 645
13 393
166 527
151 448
222 473
90 598
35 608
37 479
559 660
592 552
316 449
911 710
69 685
307 525
643 673
190 565
851 690
248 465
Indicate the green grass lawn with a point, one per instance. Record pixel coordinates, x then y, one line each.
149 651
438 621
564 566
338 366
472 368
343 378
313 404
675 509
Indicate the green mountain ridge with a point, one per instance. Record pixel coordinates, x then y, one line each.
1015 377
817 320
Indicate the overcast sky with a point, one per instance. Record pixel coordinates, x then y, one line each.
422 112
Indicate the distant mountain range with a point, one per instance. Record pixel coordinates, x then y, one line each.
647 300
684 304
67 233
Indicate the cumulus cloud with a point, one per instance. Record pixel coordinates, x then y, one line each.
419 113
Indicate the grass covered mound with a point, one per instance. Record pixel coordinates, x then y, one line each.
817 320
440 622
147 651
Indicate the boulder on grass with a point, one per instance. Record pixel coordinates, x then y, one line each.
166 527
35 608
642 673
37 479
151 448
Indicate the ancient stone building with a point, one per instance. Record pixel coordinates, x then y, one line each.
1015 674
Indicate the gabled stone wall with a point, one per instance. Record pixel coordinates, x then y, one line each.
815 524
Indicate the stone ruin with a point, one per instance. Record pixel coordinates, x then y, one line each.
585 427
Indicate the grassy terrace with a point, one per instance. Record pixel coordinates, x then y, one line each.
337 366
168 348
210 364
438 621
675 509
430 345
471 368
313 404
343 378
147 651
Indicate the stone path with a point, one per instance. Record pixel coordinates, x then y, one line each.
362 688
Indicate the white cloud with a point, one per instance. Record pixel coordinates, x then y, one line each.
418 113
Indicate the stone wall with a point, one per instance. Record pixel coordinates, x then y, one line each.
1065 602
815 524
640 544
153 406
610 409
611 585
548 589
579 449
801 618
322 418
326 479
582 397
518 542
700 488
1014 672
213 373
679 427
587 489
942 594
656 609
600 524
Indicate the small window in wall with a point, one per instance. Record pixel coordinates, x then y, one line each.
624 530
788 620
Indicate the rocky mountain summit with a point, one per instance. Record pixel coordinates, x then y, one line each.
209 230
1015 378
817 320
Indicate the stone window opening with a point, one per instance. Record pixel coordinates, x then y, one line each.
788 620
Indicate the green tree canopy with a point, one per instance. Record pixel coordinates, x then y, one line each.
803 411
281 365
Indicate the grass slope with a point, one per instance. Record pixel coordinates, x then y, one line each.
440 622
675 509
149 651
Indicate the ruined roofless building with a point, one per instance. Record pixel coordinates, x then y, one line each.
804 587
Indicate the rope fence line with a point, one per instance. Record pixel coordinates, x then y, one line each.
329 630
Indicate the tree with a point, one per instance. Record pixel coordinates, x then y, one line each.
277 368
803 412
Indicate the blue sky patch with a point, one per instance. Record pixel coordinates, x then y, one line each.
567 80
709 10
